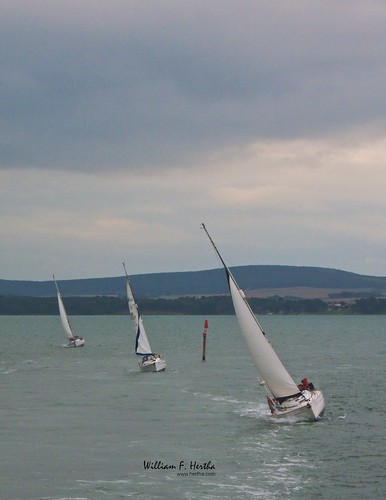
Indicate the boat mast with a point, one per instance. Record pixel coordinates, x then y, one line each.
275 375
56 285
227 270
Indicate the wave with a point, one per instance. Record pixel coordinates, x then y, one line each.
7 371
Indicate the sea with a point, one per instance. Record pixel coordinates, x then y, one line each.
85 423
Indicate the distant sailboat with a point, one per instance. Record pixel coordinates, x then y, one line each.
285 398
150 361
73 340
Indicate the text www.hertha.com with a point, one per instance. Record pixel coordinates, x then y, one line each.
198 473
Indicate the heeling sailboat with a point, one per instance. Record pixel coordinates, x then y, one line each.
285 398
73 340
150 361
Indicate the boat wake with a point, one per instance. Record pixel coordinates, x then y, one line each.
25 365
212 397
7 371
288 420
248 409
114 488
63 498
255 411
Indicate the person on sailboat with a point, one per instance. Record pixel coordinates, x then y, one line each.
304 385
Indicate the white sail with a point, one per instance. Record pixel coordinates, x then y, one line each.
142 345
63 314
64 318
276 377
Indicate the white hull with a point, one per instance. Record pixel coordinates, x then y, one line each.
76 343
307 407
152 364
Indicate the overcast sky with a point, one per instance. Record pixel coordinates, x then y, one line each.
125 124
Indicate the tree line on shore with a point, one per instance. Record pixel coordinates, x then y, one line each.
211 305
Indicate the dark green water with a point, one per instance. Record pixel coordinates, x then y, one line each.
82 423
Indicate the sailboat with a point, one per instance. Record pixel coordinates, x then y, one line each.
150 361
285 398
73 340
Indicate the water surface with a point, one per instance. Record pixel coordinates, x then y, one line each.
86 424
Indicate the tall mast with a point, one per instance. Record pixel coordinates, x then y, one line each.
230 275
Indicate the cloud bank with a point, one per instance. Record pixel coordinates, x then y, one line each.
124 125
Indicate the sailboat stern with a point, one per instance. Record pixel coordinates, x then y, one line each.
76 342
317 403
307 406
152 363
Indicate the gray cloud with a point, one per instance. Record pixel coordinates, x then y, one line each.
90 86
125 124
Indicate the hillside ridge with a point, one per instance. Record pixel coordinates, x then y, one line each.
252 278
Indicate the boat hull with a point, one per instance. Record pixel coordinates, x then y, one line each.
153 364
309 406
76 343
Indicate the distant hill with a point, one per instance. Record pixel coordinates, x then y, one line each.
208 282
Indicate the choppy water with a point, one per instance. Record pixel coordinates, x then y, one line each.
80 423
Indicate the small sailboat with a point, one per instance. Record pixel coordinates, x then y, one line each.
285 398
150 361
73 340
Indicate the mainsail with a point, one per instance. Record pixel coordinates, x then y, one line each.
276 377
63 315
142 345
